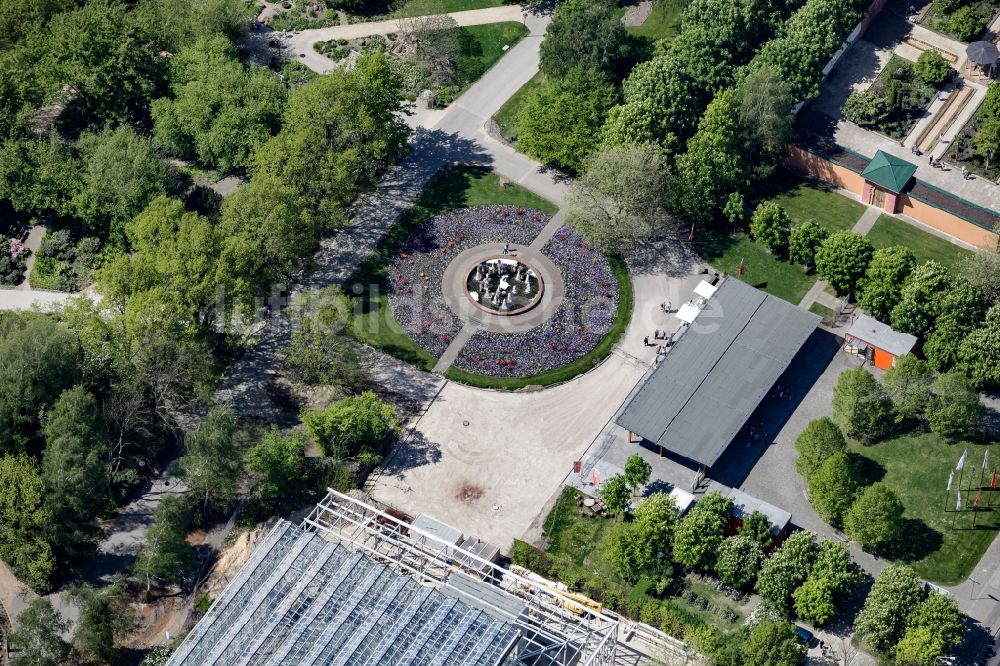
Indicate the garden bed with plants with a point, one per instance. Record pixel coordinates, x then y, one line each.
415 275
977 146
895 101
964 20
12 258
587 313
62 264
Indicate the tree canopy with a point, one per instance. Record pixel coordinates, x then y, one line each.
560 122
221 111
843 259
619 201
875 518
586 34
882 286
861 405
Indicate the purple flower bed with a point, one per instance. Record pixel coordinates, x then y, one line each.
415 275
574 330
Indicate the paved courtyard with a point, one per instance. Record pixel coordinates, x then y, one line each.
489 462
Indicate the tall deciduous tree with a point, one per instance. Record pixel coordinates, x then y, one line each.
640 547
771 226
773 644
278 463
739 560
221 111
818 441
75 466
842 260
699 535
766 102
981 269
882 621
979 351
38 640
713 166
921 299
787 568
620 200
105 58
908 383
560 122
833 487
213 463
38 360
882 286
588 34
166 555
24 522
954 409
875 518
122 174
804 241
861 405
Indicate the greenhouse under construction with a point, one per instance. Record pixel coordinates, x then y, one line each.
356 585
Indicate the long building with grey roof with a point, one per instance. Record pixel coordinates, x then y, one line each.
718 372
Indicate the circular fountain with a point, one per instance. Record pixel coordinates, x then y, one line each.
503 285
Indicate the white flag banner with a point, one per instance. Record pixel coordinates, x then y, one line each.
961 461
986 459
958 502
951 477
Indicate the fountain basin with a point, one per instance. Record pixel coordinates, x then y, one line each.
503 285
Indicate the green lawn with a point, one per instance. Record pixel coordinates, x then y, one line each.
890 230
764 271
427 7
805 200
453 187
663 23
829 316
578 366
506 117
482 46
916 467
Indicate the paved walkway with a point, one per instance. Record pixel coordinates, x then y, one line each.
300 45
867 220
457 135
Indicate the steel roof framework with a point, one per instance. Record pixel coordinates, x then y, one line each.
551 634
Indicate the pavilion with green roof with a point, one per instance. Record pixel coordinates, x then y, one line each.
886 176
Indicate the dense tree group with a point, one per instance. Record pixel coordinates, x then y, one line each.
899 617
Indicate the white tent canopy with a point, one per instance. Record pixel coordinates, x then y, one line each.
687 313
705 290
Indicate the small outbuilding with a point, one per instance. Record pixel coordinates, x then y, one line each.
744 505
879 343
886 177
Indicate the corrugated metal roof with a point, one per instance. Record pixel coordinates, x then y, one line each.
702 393
881 335
304 600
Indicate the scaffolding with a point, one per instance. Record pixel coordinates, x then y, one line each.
555 629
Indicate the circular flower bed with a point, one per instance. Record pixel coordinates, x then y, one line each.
415 275
575 328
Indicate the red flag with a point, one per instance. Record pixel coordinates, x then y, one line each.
975 503
691 233
993 481
743 268
596 478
